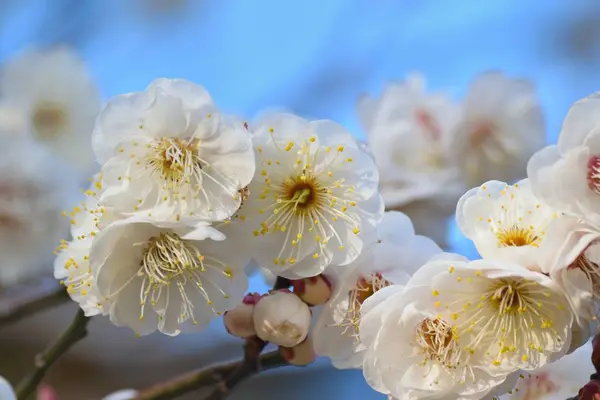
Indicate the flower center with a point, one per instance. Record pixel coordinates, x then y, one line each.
516 236
169 261
365 287
302 197
301 193
593 174
177 160
48 120
436 339
513 315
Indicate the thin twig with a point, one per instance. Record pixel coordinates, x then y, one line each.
250 365
27 299
211 376
43 361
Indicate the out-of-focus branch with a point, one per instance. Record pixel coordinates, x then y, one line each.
43 361
215 376
28 299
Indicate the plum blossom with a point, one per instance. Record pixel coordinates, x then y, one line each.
314 199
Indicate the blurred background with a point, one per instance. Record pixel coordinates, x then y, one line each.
313 57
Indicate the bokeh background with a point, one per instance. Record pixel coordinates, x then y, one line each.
313 57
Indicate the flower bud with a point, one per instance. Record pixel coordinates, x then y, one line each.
302 354
239 321
282 319
591 391
313 291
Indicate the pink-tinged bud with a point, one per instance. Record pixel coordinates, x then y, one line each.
313 291
46 392
591 391
302 354
282 319
239 321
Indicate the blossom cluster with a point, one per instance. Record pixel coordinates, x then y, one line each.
187 197
430 149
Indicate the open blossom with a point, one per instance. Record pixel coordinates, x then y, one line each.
506 222
409 133
53 95
168 151
567 175
514 318
173 276
33 189
282 318
502 125
412 352
463 327
390 260
72 264
313 200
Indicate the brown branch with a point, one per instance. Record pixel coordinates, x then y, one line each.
282 283
216 376
43 361
27 299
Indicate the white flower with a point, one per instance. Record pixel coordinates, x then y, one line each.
314 198
33 190
397 253
168 149
409 136
53 94
510 317
567 175
413 352
6 390
72 263
556 381
506 222
572 260
282 318
501 127
166 275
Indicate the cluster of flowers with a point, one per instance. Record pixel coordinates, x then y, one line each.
430 149
187 197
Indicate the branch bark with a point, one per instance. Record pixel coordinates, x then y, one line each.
43 361
28 299
216 376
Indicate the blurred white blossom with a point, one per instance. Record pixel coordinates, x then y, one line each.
390 259
34 188
314 198
409 133
501 126
51 96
